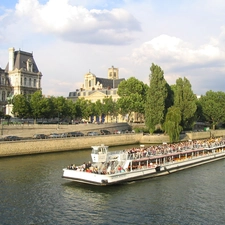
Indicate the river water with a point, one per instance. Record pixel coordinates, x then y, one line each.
33 192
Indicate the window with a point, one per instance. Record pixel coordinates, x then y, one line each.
21 81
29 65
35 82
25 81
89 83
3 95
30 82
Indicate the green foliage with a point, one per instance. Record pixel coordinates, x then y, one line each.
132 94
21 106
98 108
35 104
156 100
213 107
185 100
172 123
109 107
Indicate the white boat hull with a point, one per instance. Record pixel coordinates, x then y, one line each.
139 174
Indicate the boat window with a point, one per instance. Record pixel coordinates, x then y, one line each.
95 151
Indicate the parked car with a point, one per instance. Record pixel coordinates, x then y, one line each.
55 135
92 133
12 138
40 136
121 131
65 135
105 132
76 134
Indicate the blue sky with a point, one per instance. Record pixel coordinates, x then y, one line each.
186 38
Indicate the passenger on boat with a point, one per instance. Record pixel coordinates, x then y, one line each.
84 166
88 165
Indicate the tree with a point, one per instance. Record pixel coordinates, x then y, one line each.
172 123
21 106
83 108
61 108
185 100
132 94
35 104
109 107
46 107
98 108
156 99
213 107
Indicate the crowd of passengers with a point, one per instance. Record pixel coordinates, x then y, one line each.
136 153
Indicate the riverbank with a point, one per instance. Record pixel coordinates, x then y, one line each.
26 147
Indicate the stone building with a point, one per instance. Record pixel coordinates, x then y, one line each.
96 88
21 76
5 90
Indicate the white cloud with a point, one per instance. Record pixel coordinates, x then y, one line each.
70 37
176 53
78 24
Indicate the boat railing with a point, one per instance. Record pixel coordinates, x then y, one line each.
165 151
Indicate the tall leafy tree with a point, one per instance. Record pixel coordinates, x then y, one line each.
98 108
47 107
172 123
132 94
71 109
83 108
21 106
156 99
108 107
185 100
35 104
213 107
61 108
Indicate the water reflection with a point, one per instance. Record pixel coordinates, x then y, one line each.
33 192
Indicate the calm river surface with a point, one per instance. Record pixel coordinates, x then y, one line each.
33 192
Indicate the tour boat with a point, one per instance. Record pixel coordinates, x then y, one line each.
110 168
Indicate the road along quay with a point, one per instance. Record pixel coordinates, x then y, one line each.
27 147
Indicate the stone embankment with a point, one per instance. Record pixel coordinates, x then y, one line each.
30 146
28 130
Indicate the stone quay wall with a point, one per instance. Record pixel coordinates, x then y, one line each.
26 147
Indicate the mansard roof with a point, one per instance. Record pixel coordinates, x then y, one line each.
20 61
109 82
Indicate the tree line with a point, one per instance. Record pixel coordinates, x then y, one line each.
168 108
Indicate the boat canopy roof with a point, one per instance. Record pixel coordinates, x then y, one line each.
99 149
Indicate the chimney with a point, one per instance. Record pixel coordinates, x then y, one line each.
11 58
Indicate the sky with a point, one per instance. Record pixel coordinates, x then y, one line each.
69 38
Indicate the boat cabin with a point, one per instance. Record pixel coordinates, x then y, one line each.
99 153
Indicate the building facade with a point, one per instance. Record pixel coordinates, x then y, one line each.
96 88
21 76
5 90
